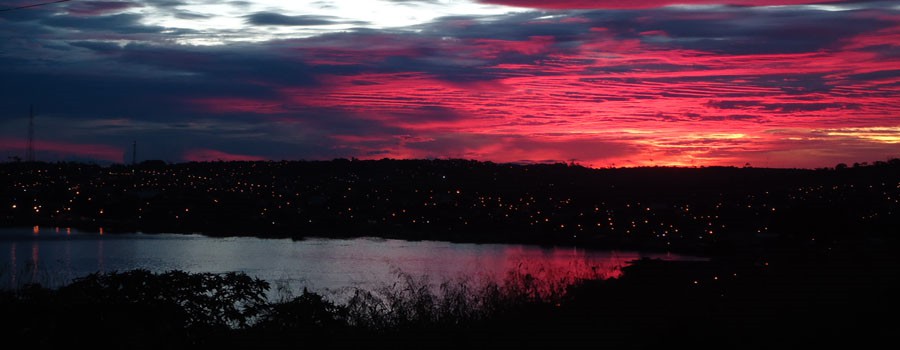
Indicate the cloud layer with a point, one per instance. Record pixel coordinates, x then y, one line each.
643 84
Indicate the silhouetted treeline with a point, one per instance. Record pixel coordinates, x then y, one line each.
669 208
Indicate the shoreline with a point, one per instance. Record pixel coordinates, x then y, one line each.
595 244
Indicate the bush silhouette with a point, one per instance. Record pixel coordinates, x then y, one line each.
206 300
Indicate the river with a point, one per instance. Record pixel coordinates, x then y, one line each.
55 256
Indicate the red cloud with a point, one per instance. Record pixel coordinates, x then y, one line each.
211 155
492 48
641 4
236 105
602 100
60 149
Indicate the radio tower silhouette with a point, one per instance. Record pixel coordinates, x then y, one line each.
29 155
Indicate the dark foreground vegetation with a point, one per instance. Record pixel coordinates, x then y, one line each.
712 208
846 298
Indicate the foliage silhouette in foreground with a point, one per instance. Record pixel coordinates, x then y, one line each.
199 299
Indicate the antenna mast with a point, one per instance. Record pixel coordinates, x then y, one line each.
134 153
29 156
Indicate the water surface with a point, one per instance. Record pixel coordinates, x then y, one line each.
55 256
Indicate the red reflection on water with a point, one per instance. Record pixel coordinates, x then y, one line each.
35 258
547 273
36 229
569 264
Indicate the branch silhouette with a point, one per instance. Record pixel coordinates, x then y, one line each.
33 5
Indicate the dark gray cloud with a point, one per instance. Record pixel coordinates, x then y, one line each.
93 8
748 31
190 15
734 30
516 26
277 19
125 23
235 65
98 46
781 107
694 117
166 3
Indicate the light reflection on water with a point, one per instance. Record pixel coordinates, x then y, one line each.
54 257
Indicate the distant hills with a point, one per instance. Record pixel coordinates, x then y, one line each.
462 200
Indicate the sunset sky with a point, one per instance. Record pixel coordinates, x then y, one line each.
777 83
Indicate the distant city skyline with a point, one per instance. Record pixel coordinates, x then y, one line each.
774 83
